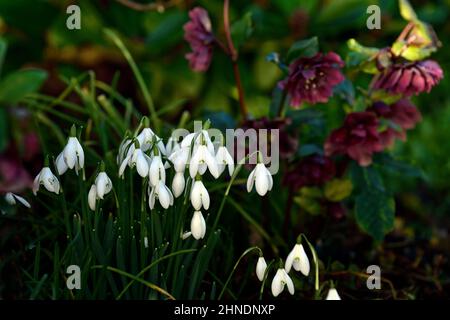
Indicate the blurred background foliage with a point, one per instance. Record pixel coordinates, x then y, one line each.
36 36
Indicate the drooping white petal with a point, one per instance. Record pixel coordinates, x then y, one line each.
61 165
140 161
195 161
48 179
70 153
123 165
251 180
333 295
261 179
92 197
288 282
198 225
22 200
211 162
80 154
157 171
103 184
163 195
36 183
261 267
278 283
151 197
178 184
196 198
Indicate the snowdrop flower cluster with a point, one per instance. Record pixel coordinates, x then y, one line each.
297 259
145 153
71 157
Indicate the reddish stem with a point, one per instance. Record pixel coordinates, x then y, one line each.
234 57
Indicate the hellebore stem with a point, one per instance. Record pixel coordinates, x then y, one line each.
234 58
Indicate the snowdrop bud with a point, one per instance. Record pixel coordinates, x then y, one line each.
178 184
199 196
145 242
48 180
279 281
223 158
261 177
103 184
333 295
261 267
92 197
198 225
11 199
298 259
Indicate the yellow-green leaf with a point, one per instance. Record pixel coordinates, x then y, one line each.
338 189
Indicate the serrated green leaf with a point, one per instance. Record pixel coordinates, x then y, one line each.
407 11
20 83
375 212
303 48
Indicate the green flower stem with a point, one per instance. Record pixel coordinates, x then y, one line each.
234 269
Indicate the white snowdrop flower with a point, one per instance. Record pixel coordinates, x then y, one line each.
140 161
202 156
199 196
333 295
103 184
298 259
47 179
71 157
126 148
280 280
92 197
186 235
12 197
179 159
261 267
261 177
223 158
178 184
157 171
101 187
162 193
147 138
136 159
198 225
